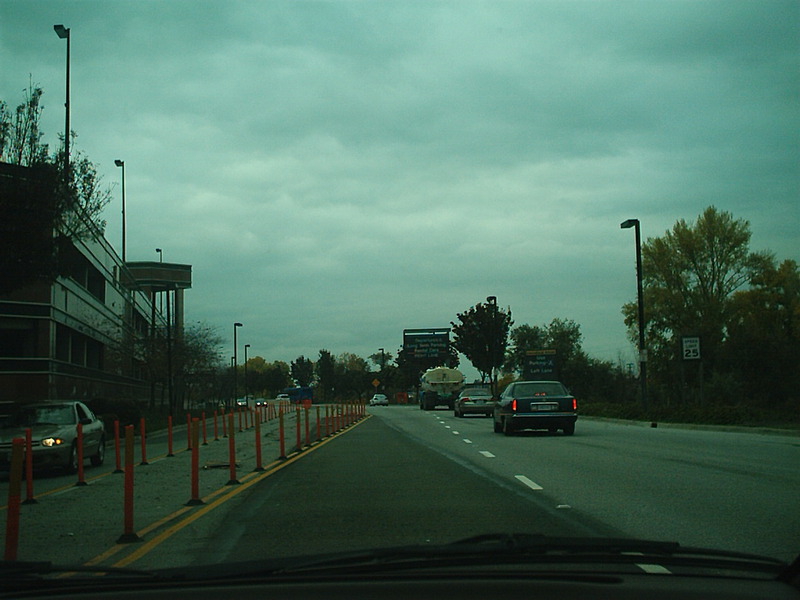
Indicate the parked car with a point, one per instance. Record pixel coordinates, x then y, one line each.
474 401
379 400
54 433
535 405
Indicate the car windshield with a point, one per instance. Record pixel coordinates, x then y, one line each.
261 251
62 414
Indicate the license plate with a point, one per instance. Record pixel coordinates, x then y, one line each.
539 407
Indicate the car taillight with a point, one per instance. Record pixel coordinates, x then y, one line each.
574 404
514 405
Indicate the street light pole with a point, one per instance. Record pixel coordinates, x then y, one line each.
246 346
121 163
160 255
63 33
492 300
235 326
634 223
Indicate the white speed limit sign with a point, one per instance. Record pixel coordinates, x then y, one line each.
691 348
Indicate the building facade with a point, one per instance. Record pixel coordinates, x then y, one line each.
86 332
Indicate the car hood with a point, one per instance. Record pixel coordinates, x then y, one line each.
38 432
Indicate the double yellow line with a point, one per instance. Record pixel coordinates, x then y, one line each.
222 495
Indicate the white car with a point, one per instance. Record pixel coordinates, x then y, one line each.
379 400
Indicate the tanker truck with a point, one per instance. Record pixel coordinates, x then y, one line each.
440 386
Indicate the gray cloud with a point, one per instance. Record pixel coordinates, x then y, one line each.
339 171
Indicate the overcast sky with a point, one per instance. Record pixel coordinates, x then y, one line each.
336 172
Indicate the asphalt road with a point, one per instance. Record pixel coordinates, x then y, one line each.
405 476
700 487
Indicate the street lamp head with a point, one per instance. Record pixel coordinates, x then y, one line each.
61 31
119 163
491 299
237 324
246 346
629 223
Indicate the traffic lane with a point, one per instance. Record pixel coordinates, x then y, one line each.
371 487
719 489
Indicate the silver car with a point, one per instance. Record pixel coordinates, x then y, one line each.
54 433
379 400
474 401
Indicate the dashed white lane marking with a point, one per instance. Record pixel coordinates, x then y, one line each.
466 441
487 454
456 433
531 484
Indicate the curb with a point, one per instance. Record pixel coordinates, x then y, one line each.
697 426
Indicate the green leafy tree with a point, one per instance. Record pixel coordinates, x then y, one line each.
763 345
689 276
325 370
277 377
353 375
482 335
40 212
302 371
21 134
523 338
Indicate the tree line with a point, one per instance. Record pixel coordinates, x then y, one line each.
700 280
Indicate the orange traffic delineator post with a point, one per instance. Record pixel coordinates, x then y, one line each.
195 499
232 451
143 435
14 487
298 419
79 450
281 435
118 468
169 436
29 499
128 534
308 431
319 437
188 431
327 420
259 466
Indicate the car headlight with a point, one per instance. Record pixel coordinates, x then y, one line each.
52 442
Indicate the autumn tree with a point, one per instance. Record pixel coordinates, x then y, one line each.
40 212
353 375
325 371
763 343
482 335
521 339
690 275
302 371
562 335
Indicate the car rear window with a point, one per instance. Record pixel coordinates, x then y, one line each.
545 388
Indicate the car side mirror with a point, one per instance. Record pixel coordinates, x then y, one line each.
86 421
